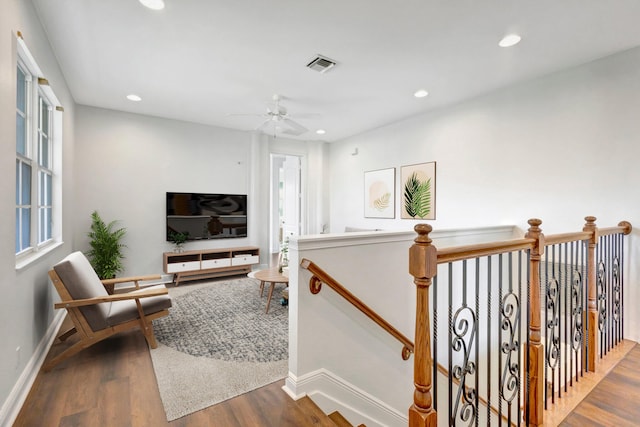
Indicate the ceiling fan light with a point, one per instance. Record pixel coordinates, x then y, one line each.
153 4
510 40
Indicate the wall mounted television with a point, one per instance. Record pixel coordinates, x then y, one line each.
204 216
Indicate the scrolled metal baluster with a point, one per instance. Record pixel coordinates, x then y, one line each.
616 289
553 338
577 333
510 322
602 297
464 331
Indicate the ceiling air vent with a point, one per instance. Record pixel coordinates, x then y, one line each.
321 64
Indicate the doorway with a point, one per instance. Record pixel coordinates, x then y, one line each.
285 197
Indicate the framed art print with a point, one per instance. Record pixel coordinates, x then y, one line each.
419 191
380 193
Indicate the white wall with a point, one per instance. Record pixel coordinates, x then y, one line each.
558 148
26 306
127 162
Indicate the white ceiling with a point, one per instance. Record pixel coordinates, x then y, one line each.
201 60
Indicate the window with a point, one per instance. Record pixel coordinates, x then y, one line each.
38 137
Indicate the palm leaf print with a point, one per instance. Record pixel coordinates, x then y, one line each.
417 197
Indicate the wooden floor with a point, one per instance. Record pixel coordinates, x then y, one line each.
615 401
112 384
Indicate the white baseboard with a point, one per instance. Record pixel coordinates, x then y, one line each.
18 395
332 393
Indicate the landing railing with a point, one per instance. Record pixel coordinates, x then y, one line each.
524 320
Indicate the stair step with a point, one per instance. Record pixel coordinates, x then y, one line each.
339 420
316 417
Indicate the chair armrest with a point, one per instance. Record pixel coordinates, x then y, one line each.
110 298
110 284
130 279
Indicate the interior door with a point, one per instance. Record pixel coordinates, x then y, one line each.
291 197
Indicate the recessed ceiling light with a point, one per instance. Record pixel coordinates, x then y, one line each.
153 4
421 93
134 97
321 131
509 40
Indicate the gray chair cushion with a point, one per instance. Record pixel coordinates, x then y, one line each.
81 281
123 311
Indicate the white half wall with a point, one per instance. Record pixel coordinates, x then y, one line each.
337 355
558 148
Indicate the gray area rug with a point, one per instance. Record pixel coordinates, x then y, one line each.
217 343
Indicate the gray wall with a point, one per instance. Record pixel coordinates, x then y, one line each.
26 305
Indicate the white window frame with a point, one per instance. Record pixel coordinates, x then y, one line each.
43 236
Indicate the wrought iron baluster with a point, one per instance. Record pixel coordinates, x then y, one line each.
552 325
510 323
464 329
576 314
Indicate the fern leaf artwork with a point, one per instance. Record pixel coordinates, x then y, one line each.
379 193
382 202
417 197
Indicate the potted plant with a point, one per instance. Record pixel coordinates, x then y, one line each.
106 247
178 239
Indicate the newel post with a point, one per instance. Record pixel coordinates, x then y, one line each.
423 263
535 400
592 304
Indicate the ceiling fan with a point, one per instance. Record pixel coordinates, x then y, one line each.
278 121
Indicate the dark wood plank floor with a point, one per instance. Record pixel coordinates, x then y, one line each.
113 384
615 401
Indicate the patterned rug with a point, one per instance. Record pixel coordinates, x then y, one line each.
217 343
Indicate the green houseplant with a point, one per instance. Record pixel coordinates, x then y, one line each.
106 247
178 238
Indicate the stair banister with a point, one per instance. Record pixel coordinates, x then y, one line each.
534 401
423 265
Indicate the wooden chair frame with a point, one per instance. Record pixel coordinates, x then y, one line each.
88 336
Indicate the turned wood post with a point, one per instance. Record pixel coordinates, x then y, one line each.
592 294
423 265
534 406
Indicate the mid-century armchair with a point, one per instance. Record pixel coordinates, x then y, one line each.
98 314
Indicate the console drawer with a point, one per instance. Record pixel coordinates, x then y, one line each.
177 267
245 259
216 263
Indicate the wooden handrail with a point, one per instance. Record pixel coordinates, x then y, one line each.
623 227
459 253
315 284
556 239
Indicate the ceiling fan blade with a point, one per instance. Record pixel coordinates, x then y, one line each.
296 128
263 127
243 115
305 116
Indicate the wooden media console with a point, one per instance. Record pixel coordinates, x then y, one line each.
206 263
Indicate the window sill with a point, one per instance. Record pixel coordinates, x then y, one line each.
24 262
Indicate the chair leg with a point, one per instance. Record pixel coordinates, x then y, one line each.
74 349
149 335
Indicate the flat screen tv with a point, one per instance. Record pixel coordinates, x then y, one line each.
203 216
